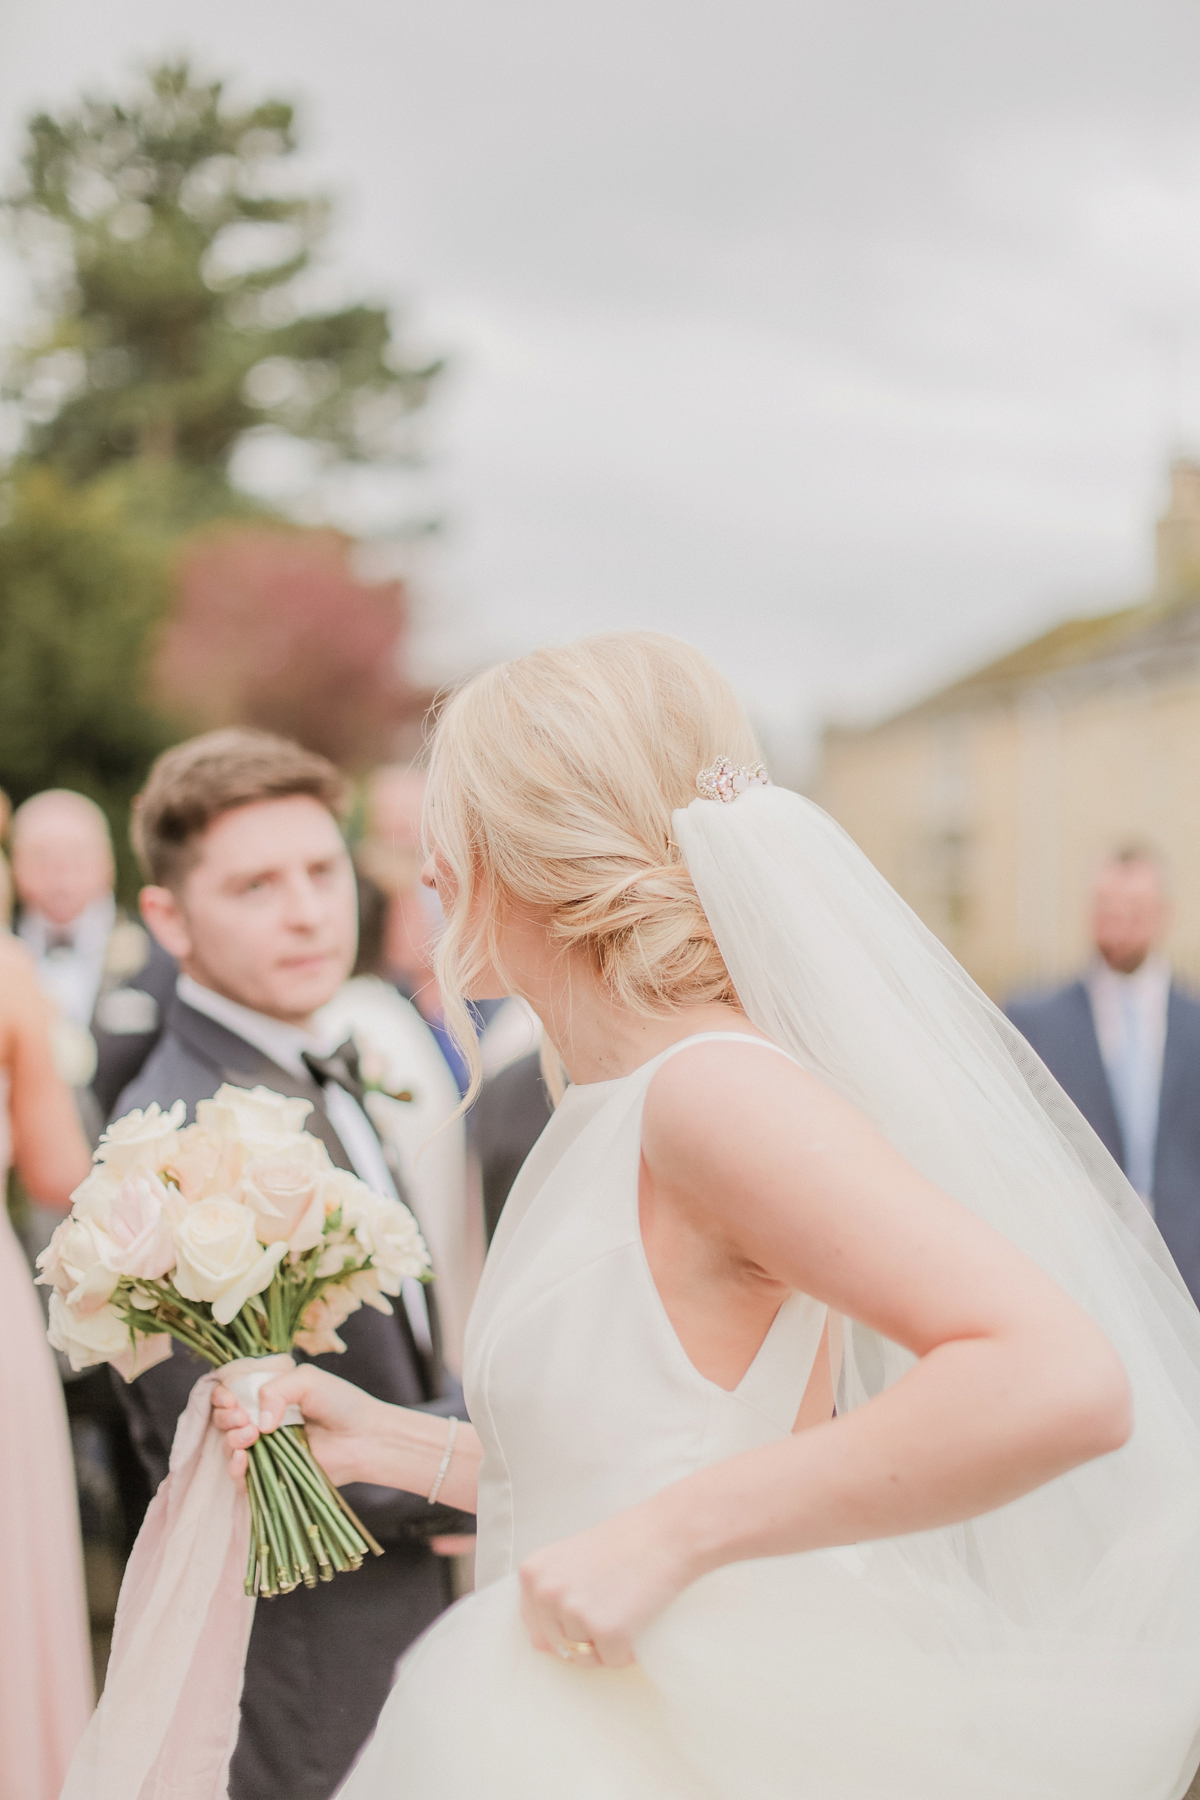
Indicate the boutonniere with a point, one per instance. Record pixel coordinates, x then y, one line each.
377 1076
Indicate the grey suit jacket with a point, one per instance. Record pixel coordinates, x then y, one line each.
1060 1027
321 1660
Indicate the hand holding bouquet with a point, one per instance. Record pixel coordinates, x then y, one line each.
237 1236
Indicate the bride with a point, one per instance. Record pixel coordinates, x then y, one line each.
835 1408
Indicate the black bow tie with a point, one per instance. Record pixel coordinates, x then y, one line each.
60 943
342 1067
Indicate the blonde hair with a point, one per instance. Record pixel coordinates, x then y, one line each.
552 783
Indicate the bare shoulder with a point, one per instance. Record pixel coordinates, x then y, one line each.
712 1093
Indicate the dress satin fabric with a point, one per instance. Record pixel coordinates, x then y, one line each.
832 1675
45 1653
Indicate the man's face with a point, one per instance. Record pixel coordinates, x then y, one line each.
62 862
267 916
1129 914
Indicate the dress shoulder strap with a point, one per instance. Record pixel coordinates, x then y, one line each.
719 1037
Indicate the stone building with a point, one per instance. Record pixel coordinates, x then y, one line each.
989 804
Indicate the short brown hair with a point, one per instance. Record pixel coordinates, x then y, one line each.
193 784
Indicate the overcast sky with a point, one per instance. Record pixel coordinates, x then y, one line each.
847 340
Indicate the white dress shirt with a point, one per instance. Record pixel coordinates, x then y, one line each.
1130 1013
71 972
283 1043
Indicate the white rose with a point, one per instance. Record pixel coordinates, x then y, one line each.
284 1188
389 1235
94 1196
141 1140
252 1113
321 1319
87 1338
340 1253
75 1266
203 1163
344 1193
220 1257
138 1238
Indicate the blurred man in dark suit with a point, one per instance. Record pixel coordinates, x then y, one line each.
1124 1041
252 891
108 977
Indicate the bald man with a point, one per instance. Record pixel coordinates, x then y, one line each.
110 981
1124 1041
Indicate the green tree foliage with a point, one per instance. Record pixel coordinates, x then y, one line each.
170 258
174 261
80 593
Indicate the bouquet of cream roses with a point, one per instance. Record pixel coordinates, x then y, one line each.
237 1236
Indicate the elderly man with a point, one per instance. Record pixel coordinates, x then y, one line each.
1124 1041
88 954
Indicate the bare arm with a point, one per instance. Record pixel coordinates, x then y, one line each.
49 1147
1014 1384
358 1438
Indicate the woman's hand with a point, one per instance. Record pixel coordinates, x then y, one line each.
343 1423
602 1587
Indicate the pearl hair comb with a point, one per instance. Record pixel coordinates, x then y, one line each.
726 780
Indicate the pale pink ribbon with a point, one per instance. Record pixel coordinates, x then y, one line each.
168 1718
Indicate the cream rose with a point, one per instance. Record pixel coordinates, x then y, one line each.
75 1266
344 1193
203 1163
389 1235
284 1189
140 1243
141 1140
220 1258
87 1338
95 1194
252 1113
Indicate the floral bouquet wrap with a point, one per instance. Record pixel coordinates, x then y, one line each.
237 1236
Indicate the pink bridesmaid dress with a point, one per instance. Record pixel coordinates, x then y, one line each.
45 1656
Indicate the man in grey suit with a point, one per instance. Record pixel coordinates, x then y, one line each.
252 891
1124 1042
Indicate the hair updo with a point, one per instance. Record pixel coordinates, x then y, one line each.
552 783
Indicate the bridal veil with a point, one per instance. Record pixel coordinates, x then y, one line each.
1089 1588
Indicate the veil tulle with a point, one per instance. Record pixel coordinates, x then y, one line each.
1099 1571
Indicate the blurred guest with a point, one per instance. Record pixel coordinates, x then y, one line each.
45 1658
87 952
410 1095
6 884
252 890
512 1111
391 855
1124 1041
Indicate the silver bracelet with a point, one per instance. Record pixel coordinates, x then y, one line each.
447 1453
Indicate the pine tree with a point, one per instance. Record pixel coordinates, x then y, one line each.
169 258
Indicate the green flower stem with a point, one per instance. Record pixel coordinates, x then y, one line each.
286 1529
252 1565
292 1529
344 1549
264 1577
341 1519
274 1535
304 1525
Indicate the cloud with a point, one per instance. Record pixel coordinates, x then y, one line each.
847 341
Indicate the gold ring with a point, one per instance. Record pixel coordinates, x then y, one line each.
575 1647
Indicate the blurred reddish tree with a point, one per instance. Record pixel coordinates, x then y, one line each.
273 627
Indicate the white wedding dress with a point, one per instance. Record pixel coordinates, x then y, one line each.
880 1672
